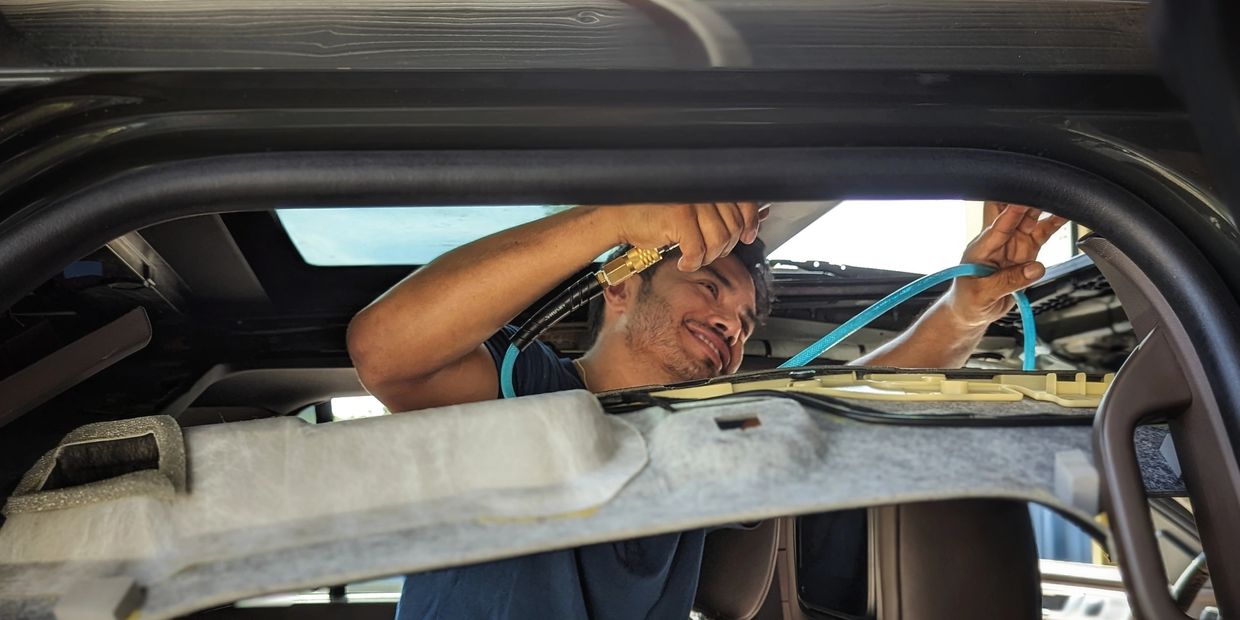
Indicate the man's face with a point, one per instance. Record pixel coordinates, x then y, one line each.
695 324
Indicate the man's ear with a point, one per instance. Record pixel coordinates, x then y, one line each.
620 297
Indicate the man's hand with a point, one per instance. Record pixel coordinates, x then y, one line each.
1010 244
706 232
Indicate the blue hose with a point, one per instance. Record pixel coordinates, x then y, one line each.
904 294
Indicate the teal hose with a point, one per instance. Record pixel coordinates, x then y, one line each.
1028 325
904 294
505 371
857 322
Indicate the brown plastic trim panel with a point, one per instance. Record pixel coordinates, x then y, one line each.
1163 380
738 567
956 559
73 364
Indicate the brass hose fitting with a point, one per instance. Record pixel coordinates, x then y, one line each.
624 267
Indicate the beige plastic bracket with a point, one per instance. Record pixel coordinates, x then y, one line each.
926 387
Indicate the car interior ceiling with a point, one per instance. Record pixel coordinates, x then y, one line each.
243 327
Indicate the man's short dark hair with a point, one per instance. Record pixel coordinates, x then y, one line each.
752 256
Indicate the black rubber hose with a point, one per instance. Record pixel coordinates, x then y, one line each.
571 298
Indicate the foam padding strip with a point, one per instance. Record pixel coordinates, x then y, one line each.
163 482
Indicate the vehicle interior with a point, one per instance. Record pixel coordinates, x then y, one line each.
208 285
185 246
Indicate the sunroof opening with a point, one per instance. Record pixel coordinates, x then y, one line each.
911 236
364 236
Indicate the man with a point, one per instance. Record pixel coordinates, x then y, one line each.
436 338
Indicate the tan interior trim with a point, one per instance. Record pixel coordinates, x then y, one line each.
885 562
786 568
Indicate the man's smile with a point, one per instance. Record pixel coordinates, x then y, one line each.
714 345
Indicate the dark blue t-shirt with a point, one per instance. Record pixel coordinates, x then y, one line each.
654 577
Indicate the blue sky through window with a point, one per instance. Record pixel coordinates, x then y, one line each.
901 235
913 236
396 235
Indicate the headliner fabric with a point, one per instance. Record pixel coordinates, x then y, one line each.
532 458
248 528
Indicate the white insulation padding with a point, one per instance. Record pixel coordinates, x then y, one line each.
278 505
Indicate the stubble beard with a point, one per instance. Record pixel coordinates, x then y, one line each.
653 333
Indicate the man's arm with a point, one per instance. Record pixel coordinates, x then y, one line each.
420 344
950 330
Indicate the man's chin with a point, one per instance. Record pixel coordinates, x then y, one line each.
684 373
703 370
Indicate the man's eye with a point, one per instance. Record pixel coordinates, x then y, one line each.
714 290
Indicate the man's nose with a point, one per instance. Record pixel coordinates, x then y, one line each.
731 329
